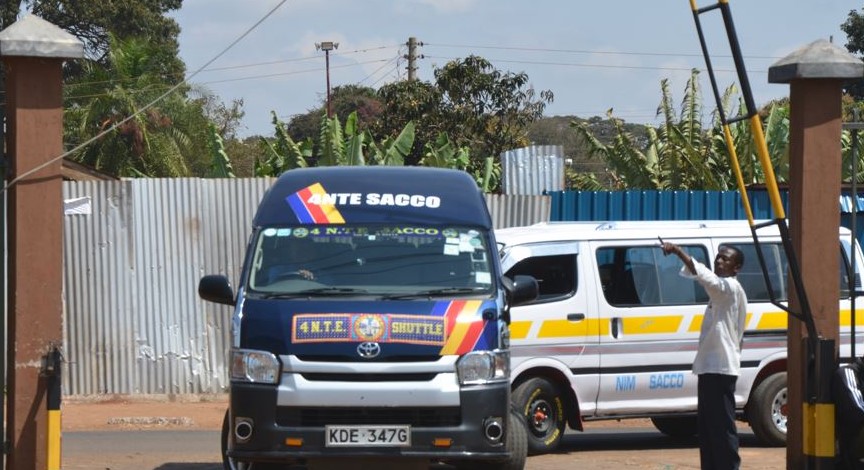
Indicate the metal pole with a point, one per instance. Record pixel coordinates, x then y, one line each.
854 285
327 62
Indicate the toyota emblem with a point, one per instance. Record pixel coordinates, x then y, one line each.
369 350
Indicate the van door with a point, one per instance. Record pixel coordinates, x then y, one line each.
651 318
560 328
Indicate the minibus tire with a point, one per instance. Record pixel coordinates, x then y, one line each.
517 444
540 404
766 410
229 463
676 427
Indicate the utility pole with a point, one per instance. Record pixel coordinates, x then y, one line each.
412 58
327 46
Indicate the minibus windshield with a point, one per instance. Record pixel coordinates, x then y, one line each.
383 260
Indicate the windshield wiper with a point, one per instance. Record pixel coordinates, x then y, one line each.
444 291
316 291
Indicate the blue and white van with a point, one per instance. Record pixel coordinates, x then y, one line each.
614 329
371 320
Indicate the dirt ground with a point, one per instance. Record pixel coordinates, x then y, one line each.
106 413
123 413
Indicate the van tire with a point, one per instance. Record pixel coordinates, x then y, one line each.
541 406
517 444
676 427
231 464
767 410
227 462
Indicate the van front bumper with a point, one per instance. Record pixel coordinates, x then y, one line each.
288 434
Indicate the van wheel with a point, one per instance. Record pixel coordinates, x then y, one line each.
767 411
676 427
227 462
231 464
517 445
539 403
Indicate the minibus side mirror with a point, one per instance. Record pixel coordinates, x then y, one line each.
521 289
216 288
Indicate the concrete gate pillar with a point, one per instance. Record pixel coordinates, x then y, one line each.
816 73
32 51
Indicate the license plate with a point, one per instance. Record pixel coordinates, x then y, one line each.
367 436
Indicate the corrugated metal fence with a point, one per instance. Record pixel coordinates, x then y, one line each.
133 253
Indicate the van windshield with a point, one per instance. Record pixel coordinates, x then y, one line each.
386 260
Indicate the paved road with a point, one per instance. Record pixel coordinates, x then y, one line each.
604 448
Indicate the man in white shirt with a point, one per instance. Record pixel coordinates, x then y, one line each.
718 358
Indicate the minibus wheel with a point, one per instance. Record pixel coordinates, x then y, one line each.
677 427
539 403
517 444
767 411
227 462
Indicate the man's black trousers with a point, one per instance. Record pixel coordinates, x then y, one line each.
718 436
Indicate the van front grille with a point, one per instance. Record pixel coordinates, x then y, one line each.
318 417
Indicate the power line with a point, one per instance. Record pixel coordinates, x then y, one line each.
588 51
604 66
149 105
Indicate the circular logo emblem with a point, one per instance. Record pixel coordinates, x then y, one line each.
369 350
369 327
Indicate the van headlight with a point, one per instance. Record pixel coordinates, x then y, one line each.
482 367
254 366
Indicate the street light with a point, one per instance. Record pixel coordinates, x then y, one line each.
327 46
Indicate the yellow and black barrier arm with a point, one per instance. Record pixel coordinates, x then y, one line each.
53 372
819 407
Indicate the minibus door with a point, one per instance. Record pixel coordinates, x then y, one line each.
560 328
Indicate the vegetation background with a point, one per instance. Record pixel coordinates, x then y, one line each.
130 91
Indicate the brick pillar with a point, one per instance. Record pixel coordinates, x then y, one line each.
33 51
816 74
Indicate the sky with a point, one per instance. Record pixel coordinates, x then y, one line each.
594 56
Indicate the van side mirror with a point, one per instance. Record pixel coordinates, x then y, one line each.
216 288
521 289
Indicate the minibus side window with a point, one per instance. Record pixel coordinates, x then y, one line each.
845 269
750 275
555 275
642 276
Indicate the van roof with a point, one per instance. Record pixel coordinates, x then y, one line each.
633 230
374 194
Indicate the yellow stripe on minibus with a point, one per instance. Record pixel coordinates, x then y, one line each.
651 325
846 318
566 329
773 321
519 329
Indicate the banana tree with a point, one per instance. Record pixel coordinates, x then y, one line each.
220 166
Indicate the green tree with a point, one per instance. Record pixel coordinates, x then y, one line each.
679 153
485 109
345 99
477 106
411 101
854 29
94 22
152 141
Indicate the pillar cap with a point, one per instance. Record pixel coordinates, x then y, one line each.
32 36
819 59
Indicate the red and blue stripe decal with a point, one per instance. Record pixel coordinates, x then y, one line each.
466 327
308 212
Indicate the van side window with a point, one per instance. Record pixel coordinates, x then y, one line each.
642 275
751 278
556 275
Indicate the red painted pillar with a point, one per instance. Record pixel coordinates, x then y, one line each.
33 51
816 73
